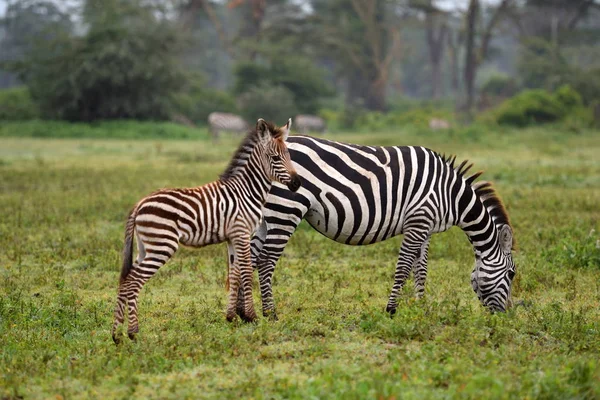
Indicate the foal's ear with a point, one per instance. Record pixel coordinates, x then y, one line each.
262 129
506 238
285 130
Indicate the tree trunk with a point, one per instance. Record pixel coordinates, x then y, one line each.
454 45
435 42
376 98
470 57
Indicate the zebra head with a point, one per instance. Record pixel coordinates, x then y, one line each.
493 274
278 162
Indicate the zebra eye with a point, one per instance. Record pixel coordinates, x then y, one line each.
511 274
276 158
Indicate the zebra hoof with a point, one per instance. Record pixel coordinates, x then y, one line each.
230 317
390 310
116 339
271 315
132 335
249 317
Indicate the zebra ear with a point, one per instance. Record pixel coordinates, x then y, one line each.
262 129
506 238
285 130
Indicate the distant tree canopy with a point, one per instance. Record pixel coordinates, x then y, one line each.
300 77
125 66
156 59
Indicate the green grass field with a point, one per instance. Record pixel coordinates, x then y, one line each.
63 206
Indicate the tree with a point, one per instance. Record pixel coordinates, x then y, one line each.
363 38
436 30
551 20
25 23
476 53
125 66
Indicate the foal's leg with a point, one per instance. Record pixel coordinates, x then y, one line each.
157 254
122 296
241 248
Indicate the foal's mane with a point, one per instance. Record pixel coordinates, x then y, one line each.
483 189
242 154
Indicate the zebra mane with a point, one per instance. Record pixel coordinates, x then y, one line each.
483 189
242 155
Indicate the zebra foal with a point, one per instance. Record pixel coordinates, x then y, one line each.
228 209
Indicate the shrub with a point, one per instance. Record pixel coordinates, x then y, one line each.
500 86
300 77
197 101
273 103
538 106
332 118
587 84
16 104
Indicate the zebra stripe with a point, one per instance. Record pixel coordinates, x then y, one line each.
360 195
225 210
224 122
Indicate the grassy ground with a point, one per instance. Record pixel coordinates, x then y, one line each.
64 203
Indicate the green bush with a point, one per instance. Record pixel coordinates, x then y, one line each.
332 118
273 103
197 101
500 86
300 77
16 104
538 106
587 83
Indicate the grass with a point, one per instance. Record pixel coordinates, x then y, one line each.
64 203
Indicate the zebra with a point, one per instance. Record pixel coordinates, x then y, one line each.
228 209
360 195
309 123
224 122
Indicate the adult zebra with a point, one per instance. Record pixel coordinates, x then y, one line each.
225 210
225 122
360 195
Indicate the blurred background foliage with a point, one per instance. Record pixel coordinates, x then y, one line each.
369 64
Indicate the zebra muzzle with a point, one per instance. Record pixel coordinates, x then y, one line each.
294 183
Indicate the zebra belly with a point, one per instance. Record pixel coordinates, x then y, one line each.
335 219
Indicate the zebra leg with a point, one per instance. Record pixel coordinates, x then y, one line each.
409 251
233 263
242 276
130 288
276 238
256 246
122 294
420 269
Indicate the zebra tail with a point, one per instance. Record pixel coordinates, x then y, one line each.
128 245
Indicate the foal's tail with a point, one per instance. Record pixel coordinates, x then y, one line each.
128 245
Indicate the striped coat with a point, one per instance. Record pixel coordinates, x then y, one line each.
228 209
360 195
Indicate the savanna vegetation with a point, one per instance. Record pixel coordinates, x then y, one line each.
104 101
64 203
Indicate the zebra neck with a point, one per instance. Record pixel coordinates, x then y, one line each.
253 180
477 222
483 235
